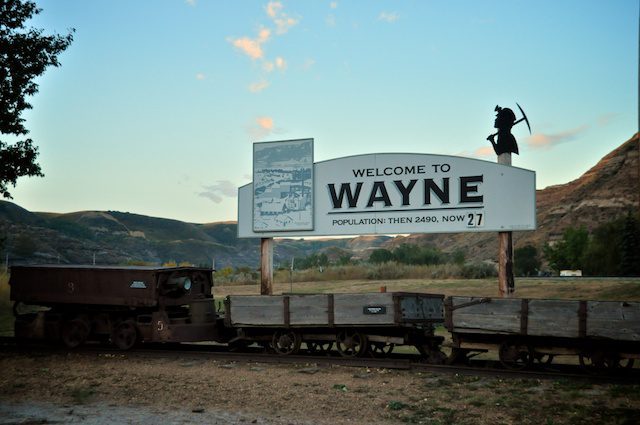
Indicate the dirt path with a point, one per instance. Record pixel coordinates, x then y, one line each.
96 389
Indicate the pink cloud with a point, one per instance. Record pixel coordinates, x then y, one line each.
547 141
258 87
249 47
265 123
483 152
272 8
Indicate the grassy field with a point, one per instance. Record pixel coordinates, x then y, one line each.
606 289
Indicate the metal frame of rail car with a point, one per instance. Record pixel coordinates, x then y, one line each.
519 350
350 340
126 305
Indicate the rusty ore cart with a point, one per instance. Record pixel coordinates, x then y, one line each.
124 304
355 323
603 334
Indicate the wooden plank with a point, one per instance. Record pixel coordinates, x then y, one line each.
619 320
309 310
349 309
420 307
486 323
257 310
557 318
471 314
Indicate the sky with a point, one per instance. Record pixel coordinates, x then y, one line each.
157 103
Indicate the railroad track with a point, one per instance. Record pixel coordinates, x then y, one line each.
219 353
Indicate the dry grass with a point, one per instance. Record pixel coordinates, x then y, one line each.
6 314
562 288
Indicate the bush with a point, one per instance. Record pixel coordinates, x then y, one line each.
479 271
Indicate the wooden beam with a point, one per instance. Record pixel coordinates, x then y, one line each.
506 282
266 266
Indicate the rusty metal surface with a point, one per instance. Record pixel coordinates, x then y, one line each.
90 285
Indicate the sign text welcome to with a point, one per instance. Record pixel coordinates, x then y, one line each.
410 193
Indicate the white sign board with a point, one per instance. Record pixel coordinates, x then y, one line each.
283 186
410 193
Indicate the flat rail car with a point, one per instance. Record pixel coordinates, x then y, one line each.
76 304
355 323
602 334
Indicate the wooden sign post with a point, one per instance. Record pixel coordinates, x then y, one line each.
266 266
506 282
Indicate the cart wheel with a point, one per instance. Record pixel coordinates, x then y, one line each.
351 344
598 361
380 349
457 356
125 335
543 358
515 356
74 332
286 342
319 347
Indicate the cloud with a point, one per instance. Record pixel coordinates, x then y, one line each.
333 5
390 17
263 35
200 76
254 47
281 64
272 8
265 123
605 119
282 21
191 3
259 86
484 152
222 189
547 141
330 20
261 127
249 47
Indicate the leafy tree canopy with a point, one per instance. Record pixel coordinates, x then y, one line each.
25 53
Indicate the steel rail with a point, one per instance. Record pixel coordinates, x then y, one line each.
219 353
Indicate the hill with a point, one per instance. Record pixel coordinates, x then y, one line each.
607 191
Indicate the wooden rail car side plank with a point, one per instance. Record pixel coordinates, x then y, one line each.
496 316
257 310
349 309
554 318
614 320
309 310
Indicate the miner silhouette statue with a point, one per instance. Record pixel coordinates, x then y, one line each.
505 119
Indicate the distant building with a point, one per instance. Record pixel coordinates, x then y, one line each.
570 273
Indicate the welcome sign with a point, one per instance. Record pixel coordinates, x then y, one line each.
409 193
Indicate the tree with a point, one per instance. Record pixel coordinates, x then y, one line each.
568 253
25 53
630 255
381 255
526 261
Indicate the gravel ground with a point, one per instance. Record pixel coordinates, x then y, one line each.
90 388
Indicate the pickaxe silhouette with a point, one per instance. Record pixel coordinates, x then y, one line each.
524 118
